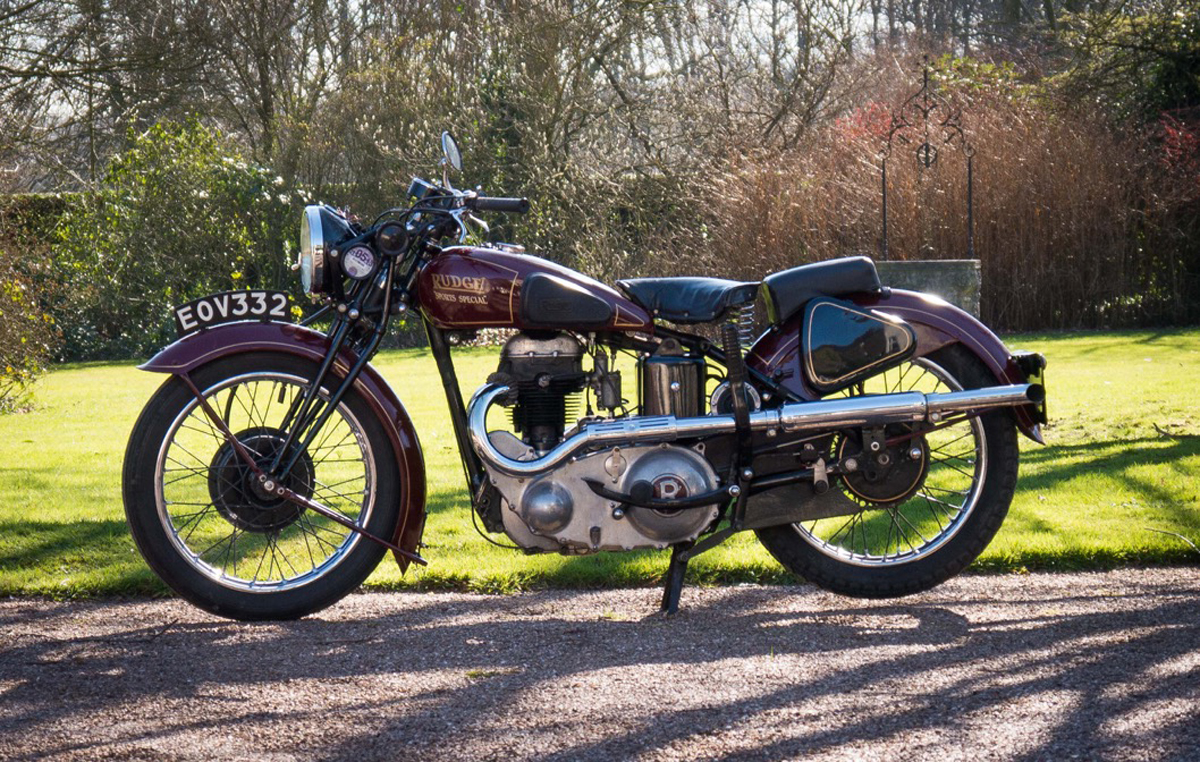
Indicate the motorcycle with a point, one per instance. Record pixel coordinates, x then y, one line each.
868 436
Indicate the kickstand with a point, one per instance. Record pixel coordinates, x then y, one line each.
673 586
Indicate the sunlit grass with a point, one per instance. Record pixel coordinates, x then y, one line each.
1091 498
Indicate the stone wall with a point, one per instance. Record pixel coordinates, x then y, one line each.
958 281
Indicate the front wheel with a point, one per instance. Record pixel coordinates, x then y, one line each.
205 525
925 516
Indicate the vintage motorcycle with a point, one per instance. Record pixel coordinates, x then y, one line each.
868 436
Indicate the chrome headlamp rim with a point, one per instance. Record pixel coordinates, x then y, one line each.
313 249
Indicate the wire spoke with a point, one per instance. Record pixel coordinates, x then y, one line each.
944 445
933 511
945 494
330 487
261 421
210 431
312 562
948 491
916 530
933 499
196 463
895 513
953 467
313 531
184 467
849 522
263 557
961 456
273 539
182 520
325 493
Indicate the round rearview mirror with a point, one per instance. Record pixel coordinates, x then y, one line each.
450 151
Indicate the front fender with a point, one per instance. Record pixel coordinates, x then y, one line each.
937 323
194 350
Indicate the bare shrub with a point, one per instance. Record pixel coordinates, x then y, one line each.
1077 224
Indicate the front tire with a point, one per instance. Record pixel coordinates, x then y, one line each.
932 531
212 535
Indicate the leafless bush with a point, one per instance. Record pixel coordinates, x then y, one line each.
1076 223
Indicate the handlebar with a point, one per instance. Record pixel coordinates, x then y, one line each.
495 204
456 204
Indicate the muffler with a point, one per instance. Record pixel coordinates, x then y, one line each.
850 412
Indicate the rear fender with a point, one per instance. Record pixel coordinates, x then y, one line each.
937 324
197 349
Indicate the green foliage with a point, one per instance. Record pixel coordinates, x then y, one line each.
27 219
1138 59
27 332
28 335
177 215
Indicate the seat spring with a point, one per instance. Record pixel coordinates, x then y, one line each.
743 319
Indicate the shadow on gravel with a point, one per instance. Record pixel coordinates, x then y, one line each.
827 675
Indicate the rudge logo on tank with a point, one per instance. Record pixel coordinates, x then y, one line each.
464 290
459 283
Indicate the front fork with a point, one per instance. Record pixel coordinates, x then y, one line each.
277 487
304 423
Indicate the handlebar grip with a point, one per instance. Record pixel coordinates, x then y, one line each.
509 205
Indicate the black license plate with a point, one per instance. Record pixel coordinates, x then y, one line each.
229 307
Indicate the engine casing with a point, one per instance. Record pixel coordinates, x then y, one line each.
558 512
546 370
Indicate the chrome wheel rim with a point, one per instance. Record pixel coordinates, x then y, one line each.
236 537
888 535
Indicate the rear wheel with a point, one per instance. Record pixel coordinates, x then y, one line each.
203 521
925 514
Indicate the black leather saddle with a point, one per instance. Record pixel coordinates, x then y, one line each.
788 291
688 300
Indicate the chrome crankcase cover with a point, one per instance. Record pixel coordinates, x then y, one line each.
558 512
675 473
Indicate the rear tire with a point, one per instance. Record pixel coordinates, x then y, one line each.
208 531
831 556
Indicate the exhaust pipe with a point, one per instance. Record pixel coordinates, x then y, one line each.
903 407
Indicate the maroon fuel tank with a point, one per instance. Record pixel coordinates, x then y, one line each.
477 287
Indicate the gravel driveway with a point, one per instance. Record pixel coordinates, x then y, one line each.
1092 666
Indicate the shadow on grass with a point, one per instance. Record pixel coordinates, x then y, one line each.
97 557
1118 459
450 679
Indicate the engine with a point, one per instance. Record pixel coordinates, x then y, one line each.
557 511
547 372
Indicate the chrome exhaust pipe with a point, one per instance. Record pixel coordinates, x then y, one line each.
877 410
986 398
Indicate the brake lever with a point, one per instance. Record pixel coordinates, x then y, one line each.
481 223
462 216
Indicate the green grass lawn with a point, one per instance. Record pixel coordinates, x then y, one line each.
1091 498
